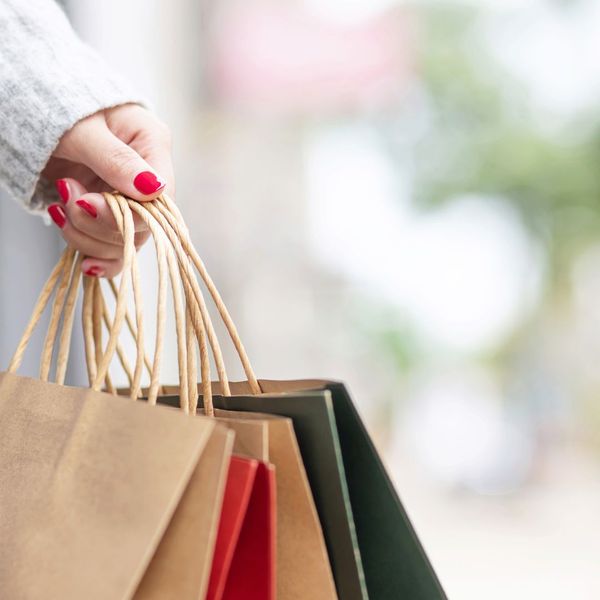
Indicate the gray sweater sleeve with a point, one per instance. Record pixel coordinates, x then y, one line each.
49 80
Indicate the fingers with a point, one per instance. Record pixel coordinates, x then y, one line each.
92 143
81 241
148 136
88 225
159 156
91 215
69 189
122 167
97 267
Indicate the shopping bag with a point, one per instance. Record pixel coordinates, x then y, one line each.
361 513
251 574
320 454
300 532
244 557
94 489
240 481
180 567
88 485
253 549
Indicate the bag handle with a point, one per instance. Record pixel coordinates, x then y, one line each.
40 306
170 213
166 264
190 323
167 214
65 276
175 256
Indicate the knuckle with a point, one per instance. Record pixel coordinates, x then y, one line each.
76 218
119 158
114 237
109 252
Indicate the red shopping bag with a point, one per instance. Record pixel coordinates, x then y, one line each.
244 559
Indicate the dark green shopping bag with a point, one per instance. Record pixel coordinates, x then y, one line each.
373 548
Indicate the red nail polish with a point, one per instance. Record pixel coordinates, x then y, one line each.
94 272
89 209
147 183
62 187
57 213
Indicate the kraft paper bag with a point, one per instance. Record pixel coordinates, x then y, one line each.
349 479
299 532
180 567
88 486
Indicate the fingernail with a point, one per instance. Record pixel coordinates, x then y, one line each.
57 213
62 187
94 272
147 183
89 209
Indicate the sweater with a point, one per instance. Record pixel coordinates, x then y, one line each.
49 80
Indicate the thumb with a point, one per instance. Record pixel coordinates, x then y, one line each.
121 167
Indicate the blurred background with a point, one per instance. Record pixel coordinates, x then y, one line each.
404 196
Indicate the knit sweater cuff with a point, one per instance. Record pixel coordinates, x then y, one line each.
51 80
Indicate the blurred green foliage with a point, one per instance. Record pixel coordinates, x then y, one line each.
470 127
482 136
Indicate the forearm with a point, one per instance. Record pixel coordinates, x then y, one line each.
49 80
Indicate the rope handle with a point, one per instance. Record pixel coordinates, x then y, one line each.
167 214
176 257
95 310
166 265
170 212
186 350
65 277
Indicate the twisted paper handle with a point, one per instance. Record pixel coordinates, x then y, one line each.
166 213
175 256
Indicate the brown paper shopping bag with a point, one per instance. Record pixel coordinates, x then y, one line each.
299 532
171 572
190 537
88 482
99 495
193 529
88 485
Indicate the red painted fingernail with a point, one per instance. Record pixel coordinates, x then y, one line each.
94 272
57 213
62 187
89 209
148 183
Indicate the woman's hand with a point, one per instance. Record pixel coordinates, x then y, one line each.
124 148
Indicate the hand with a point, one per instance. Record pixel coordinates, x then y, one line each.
124 148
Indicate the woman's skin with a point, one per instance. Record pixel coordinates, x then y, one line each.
124 148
